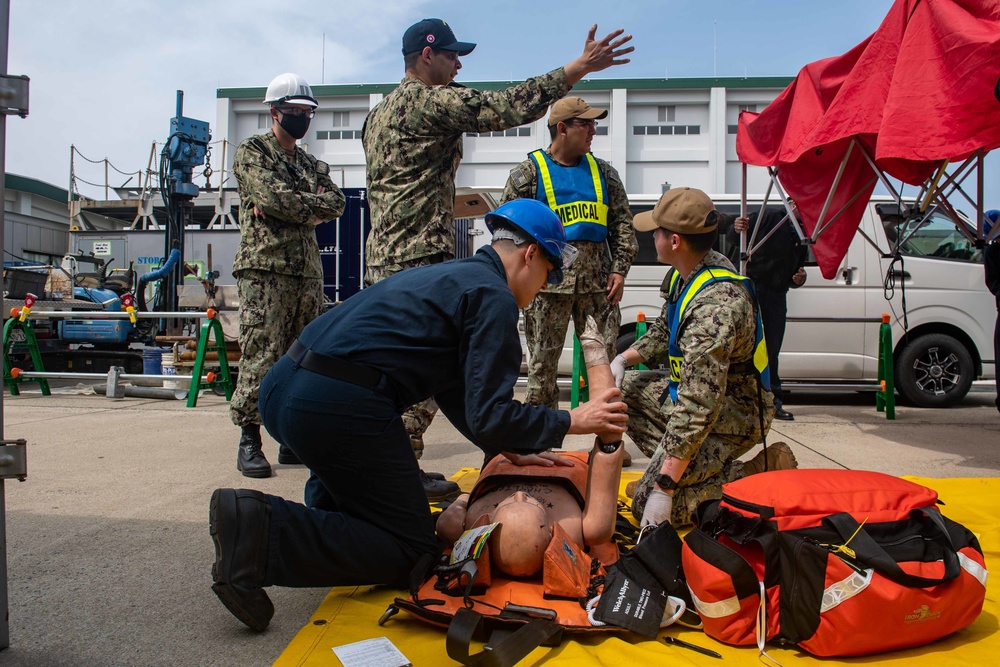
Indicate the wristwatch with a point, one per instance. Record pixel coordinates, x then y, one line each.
609 447
666 482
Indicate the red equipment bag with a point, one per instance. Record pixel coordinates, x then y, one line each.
838 562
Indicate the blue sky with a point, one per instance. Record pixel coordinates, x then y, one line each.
104 75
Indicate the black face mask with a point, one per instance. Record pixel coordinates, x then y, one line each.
296 126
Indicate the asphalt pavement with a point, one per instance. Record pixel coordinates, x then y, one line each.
109 556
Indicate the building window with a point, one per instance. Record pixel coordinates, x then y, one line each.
341 119
512 132
602 130
322 135
647 130
666 114
731 129
748 107
263 121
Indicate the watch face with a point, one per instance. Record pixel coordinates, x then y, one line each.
666 482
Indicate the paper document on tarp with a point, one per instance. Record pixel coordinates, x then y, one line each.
378 652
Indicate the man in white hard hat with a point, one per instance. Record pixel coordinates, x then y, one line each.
284 194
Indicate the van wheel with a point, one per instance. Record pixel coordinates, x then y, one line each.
624 341
934 371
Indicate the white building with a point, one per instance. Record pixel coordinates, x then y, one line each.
678 131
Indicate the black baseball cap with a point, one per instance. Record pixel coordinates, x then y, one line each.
436 34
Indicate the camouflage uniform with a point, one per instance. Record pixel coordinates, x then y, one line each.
583 290
278 271
716 417
413 146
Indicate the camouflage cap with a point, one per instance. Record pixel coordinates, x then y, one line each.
573 107
681 211
436 34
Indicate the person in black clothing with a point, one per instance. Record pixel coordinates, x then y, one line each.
991 264
337 397
775 266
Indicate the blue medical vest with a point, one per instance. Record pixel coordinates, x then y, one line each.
577 194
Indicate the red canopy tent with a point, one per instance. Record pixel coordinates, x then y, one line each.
909 102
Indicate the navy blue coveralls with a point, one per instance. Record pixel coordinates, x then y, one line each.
447 330
771 268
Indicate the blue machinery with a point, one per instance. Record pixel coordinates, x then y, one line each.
185 149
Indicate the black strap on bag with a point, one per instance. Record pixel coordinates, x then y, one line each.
504 649
873 555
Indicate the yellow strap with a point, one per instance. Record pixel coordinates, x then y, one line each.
595 173
699 280
843 548
543 172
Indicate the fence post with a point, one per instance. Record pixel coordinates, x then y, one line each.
578 391
640 331
885 397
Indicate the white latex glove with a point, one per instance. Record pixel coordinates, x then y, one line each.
618 369
659 505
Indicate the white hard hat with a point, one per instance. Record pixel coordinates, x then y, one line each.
290 88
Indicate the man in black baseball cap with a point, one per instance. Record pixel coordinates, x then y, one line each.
413 143
436 34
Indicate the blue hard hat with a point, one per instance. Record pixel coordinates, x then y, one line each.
540 223
991 219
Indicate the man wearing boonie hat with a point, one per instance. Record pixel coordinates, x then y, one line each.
413 146
713 404
587 194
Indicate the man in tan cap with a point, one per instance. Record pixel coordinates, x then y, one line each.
713 405
587 194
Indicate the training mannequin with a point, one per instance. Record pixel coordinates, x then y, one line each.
527 495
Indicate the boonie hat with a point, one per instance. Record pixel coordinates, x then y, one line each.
573 107
436 34
681 211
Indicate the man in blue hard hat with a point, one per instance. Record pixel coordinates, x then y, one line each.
355 370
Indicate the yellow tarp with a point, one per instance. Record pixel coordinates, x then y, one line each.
350 614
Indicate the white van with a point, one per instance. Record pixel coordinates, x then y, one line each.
941 313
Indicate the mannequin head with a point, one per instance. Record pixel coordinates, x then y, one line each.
517 545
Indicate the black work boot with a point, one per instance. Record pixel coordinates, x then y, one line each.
439 489
239 521
250 459
287 456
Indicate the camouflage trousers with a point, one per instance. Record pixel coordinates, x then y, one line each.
274 308
714 465
417 418
545 321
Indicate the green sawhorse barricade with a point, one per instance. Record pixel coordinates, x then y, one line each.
19 322
578 392
224 379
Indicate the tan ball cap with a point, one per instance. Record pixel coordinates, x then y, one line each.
681 211
573 107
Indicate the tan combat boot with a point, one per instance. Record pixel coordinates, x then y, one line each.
779 456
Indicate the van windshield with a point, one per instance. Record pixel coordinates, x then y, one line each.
937 236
